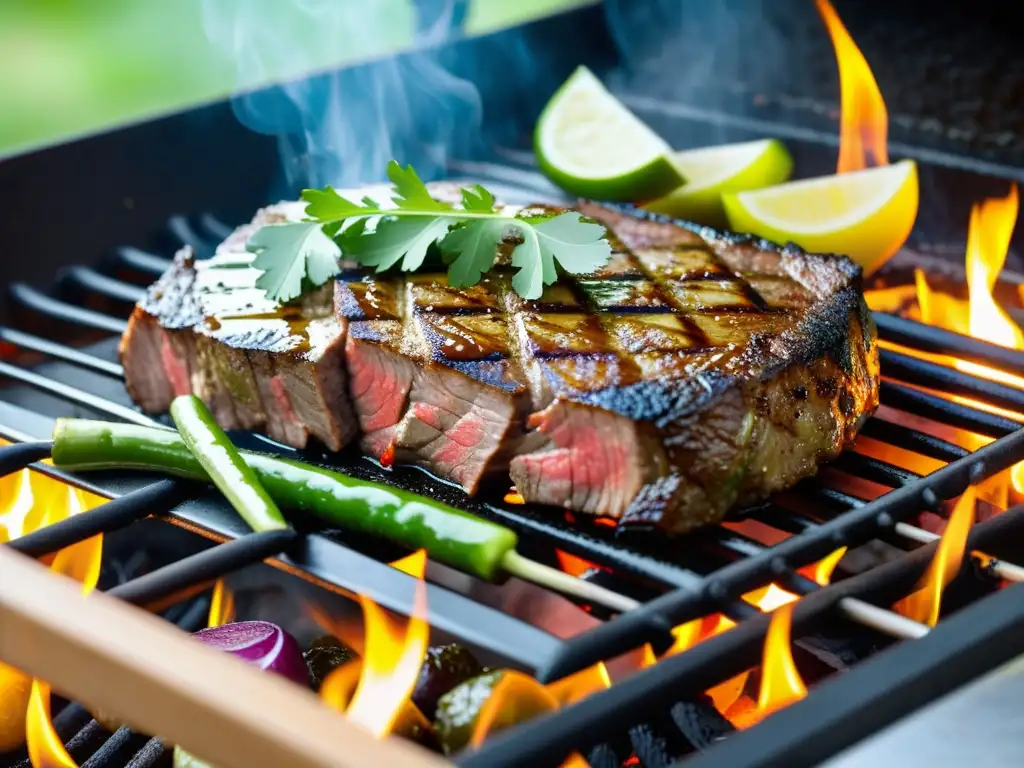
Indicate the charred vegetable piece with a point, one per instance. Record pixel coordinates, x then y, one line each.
225 467
450 536
444 667
325 655
457 710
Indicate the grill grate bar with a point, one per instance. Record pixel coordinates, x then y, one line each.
150 755
546 740
946 411
159 498
141 261
89 279
935 376
60 352
912 440
875 470
35 300
929 338
206 565
19 455
75 395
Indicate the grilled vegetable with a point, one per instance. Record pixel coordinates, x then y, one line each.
262 644
459 710
224 465
450 536
325 655
444 667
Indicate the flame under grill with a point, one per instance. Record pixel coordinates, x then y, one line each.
659 713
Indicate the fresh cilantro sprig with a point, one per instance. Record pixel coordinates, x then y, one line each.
294 256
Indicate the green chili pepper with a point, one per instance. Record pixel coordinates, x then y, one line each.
449 535
224 465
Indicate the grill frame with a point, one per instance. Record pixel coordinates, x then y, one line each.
690 594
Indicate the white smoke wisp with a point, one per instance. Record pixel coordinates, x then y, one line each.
342 126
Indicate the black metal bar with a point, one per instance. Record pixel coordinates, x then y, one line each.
53 349
78 396
783 519
935 376
945 411
875 470
91 280
885 688
547 740
156 499
19 455
61 310
150 755
930 338
912 440
141 261
651 621
209 564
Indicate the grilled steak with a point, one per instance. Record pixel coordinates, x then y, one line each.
205 328
694 372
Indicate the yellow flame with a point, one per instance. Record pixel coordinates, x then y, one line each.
781 684
45 748
864 122
581 684
337 688
392 660
822 571
222 605
925 602
410 564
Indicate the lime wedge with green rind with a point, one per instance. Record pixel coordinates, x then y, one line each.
591 145
710 171
866 215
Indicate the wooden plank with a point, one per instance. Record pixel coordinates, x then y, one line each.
119 659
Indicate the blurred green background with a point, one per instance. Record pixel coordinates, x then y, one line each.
69 67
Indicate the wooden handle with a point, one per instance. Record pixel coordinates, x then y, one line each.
120 660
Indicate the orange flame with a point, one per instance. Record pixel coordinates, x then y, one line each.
575 687
394 652
864 122
924 604
515 698
821 572
781 684
80 561
222 605
573 565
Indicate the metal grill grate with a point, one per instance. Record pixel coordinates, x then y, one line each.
679 580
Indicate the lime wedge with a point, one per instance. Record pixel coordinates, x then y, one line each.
710 171
865 214
591 145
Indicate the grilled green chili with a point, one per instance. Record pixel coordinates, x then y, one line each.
449 535
224 465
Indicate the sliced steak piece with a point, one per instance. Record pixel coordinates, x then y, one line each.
703 371
432 377
204 327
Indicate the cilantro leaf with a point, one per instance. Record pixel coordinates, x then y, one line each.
578 246
327 205
476 199
411 193
392 240
536 267
287 253
470 250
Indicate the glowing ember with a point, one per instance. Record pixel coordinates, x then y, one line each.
924 604
514 497
864 123
376 693
222 605
573 565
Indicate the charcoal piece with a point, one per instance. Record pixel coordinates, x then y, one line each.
701 724
444 667
325 655
649 747
603 756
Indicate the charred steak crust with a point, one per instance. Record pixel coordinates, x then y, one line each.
205 328
696 371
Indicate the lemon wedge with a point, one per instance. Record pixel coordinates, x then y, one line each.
710 171
866 215
590 144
